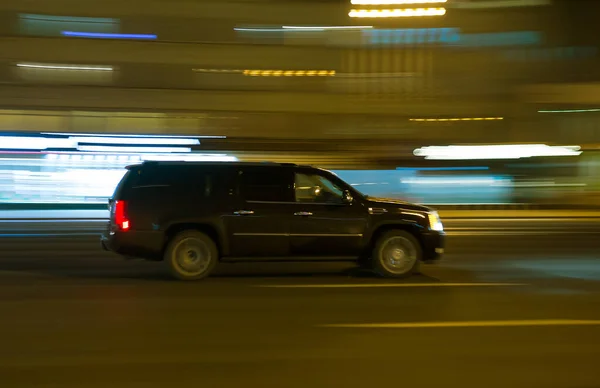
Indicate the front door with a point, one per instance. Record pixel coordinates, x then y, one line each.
323 224
259 225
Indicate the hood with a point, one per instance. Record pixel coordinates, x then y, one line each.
397 203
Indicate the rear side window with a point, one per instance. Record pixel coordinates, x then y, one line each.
178 179
266 184
129 179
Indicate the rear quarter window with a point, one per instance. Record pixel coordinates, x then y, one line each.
127 182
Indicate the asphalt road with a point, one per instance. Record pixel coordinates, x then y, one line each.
502 309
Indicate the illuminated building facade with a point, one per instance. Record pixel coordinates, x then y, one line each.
260 69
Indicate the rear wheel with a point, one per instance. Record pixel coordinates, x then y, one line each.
397 254
191 255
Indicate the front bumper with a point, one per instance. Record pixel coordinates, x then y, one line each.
433 245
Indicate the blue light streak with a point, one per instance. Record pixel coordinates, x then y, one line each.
442 168
103 35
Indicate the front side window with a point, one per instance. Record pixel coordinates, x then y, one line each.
312 188
266 184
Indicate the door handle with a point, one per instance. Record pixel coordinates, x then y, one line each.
243 212
303 214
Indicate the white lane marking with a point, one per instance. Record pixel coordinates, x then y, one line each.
384 285
417 325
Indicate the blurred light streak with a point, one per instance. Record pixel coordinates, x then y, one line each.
71 142
397 36
250 29
134 136
395 13
377 75
93 148
459 119
289 73
570 110
192 158
516 151
443 181
77 19
224 71
271 73
442 168
498 3
65 67
324 28
498 39
395 2
34 143
145 141
104 35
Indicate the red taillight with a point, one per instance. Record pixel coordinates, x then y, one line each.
121 215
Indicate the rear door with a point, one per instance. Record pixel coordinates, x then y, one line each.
258 226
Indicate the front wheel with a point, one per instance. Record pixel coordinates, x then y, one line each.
396 254
191 255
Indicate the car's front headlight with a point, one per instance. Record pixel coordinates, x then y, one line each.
435 223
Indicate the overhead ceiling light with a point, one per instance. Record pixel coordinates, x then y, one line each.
271 73
289 73
395 2
488 152
458 119
396 13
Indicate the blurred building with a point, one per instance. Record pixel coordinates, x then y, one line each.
487 71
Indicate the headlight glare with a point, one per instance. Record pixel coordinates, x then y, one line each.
435 223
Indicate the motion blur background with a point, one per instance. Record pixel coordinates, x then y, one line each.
344 85
489 106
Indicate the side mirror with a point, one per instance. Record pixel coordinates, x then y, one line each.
348 197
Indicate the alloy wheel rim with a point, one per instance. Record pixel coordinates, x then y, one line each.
192 256
399 255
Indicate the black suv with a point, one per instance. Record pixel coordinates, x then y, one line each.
194 214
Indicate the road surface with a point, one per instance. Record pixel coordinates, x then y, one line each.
501 310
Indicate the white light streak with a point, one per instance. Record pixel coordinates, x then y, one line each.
133 135
65 67
192 158
92 148
129 140
33 143
324 28
516 151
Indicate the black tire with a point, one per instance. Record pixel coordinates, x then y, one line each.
399 260
193 261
